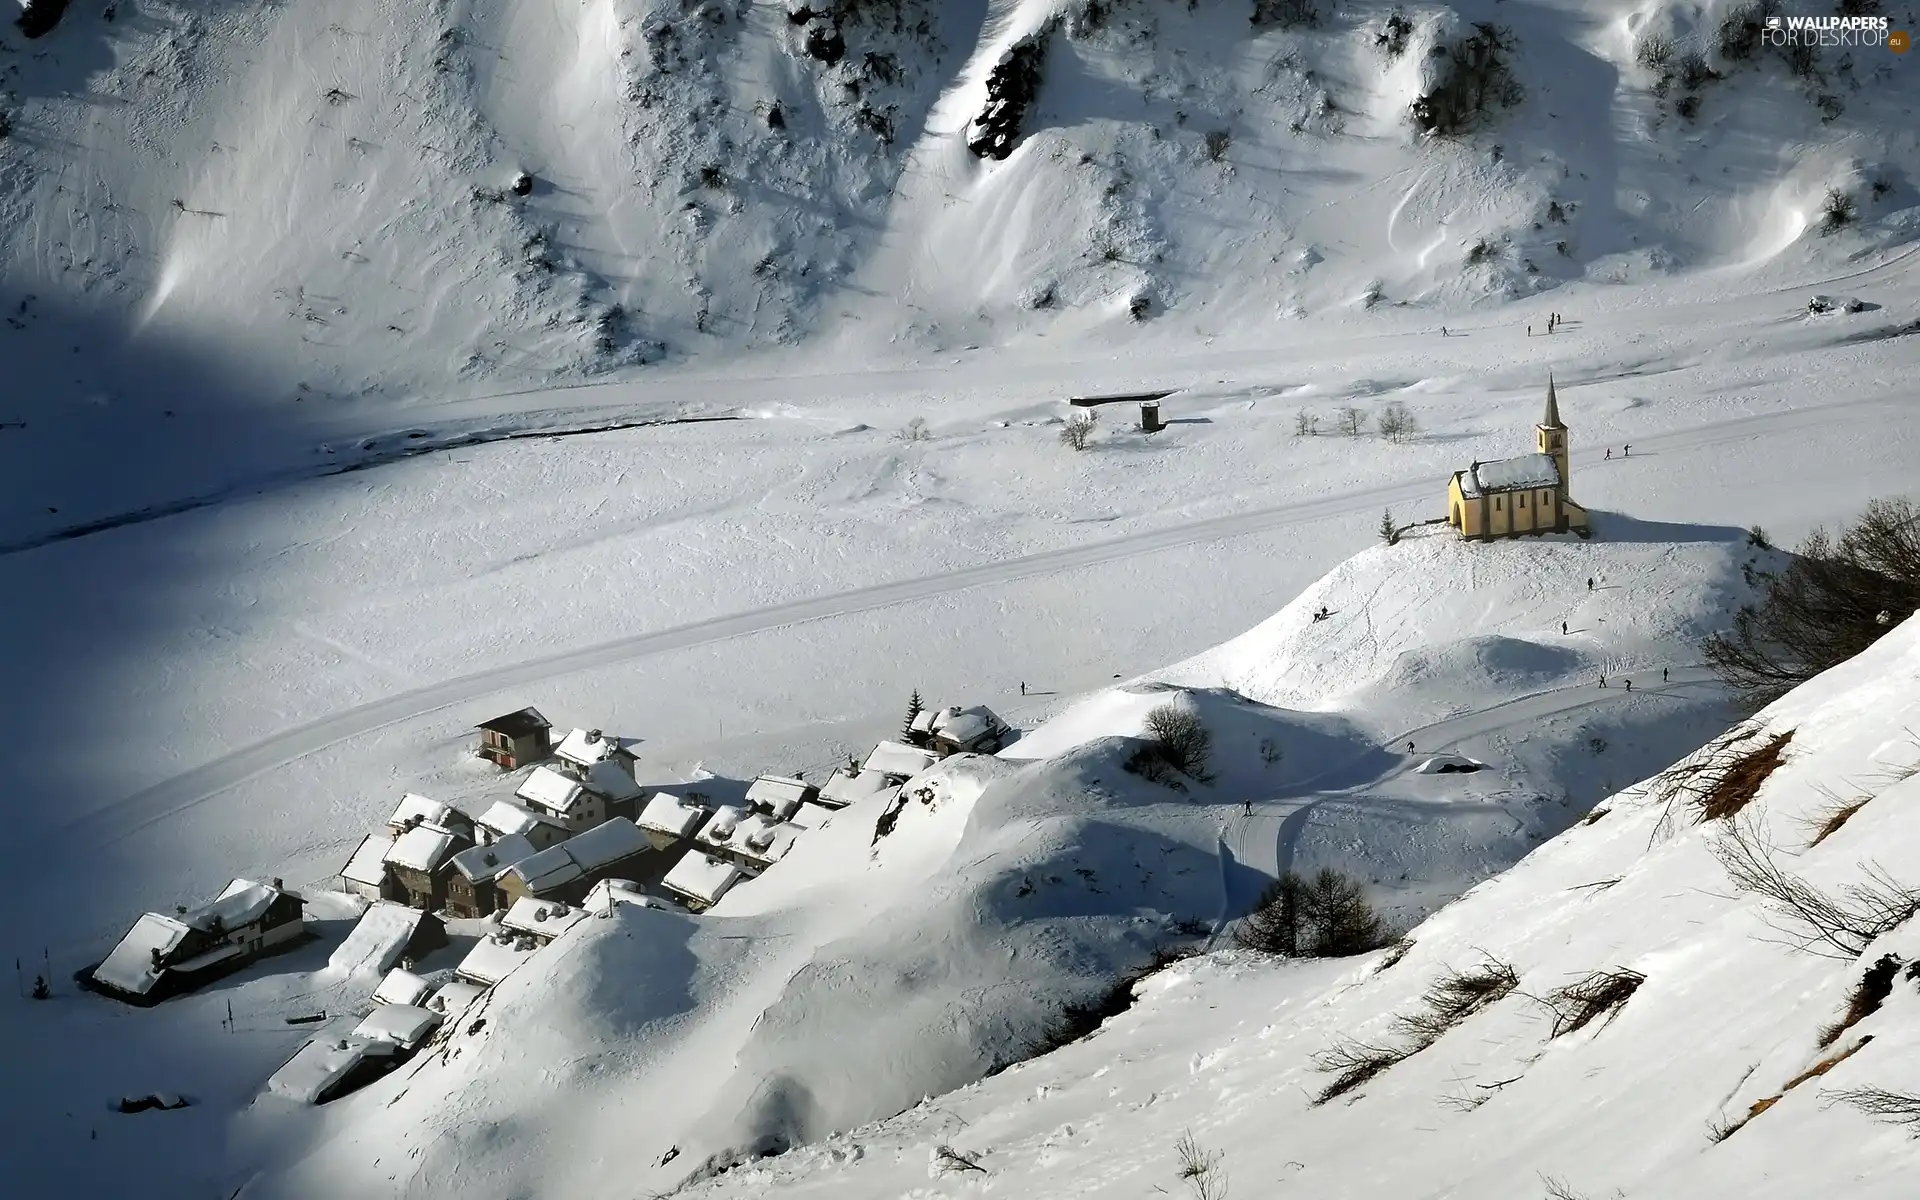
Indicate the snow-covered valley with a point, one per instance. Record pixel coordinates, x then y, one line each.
748 420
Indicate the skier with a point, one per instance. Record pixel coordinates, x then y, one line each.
1409 747
1023 689
1589 583
1248 811
1443 331
1603 681
1627 450
1563 628
1663 674
1609 451
1629 685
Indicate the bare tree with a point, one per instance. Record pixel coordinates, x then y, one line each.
1397 422
1897 1108
1305 424
1839 925
917 430
1078 431
1353 420
1181 740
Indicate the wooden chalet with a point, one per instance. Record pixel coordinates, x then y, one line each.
516 739
473 887
419 862
164 956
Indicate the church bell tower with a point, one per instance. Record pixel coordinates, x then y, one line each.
1550 437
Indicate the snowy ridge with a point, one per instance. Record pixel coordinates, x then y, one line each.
1722 1034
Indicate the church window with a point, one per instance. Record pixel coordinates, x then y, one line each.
1523 499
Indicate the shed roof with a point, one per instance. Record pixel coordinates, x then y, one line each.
494 958
404 1025
415 808
606 844
613 780
401 987
544 918
672 814
130 967
483 864
505 818
700 876
455 995
422 848
811 815
844 789
1510 475
967 726
369 862
589 746
547 870
899 759
517 724
550 789
781 793
322 1063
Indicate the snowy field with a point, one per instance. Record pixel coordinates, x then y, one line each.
314 459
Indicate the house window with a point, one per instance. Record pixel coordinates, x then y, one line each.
1496 502
1523 500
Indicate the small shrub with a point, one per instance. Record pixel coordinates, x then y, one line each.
1140 307
1474 80
1895 1108
1078 431
1388 534
1395 954
1218 142
1555 213
1692 71
1758 539
1597 744
1803 60
1393 35
712 177
1601 994
1453 998
1840 924
1736 784
1875 985
1286 14
1353 1064
1180 739
1837 211
1739 35
1353 420
1012 86
1688 107
1201 1171
776 116
1655 52
917 431
1482 251
1397 423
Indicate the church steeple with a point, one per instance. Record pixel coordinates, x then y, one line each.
1552 419
1550 437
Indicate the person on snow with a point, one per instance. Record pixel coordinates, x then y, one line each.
1663 674
1629 685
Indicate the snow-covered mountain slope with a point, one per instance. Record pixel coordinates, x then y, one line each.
887 960
259 204
1735 1065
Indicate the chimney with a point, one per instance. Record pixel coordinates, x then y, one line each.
277 884
593 735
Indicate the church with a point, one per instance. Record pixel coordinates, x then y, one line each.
1513 497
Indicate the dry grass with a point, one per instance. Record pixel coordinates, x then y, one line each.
1601 994
1453 998
1831 818
1735 786
1875 985
1897 1108
1395 953
1840 809
1723 1132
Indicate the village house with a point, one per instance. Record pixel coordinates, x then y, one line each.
566 871
453 996
163 956
415 809
667 819
516 739
583 749
402 986
614 783
330 1066
851 785
780 794
898 762
473 888
386 934
700 879
506 819
602 896
406 1026
419 862
811 815
542 920
493 958
1514 497
366 872
565 801
975 730
755 840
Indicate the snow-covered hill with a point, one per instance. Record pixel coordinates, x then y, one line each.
1732 1050
253 205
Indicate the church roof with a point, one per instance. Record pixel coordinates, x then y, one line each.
1510 475
1552 419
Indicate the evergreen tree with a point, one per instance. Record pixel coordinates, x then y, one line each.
1388 533
914 709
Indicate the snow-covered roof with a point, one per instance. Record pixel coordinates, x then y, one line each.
321 1064
454 996
844 789
612 779
605 844
585 747
369 862
967 726
781 793
811 815
480 864
1510 475
494 957
719 828
405 1025
549 869
130 967
377 941
551 790
764 838
676 815
415 808
900 759
544 918
505 817
922 721
422 848
517 724
242 903
700 876
402 987
609 892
